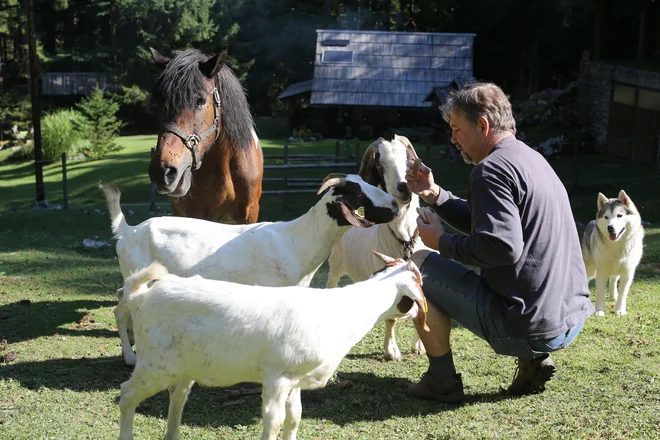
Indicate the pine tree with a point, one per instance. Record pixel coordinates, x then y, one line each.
100 126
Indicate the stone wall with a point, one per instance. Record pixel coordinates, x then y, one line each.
594 97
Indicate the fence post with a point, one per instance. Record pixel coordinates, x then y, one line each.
576 159
65 191
357 157
336 155
286 162
152 195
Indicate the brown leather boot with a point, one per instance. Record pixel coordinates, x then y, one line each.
531 376
449 390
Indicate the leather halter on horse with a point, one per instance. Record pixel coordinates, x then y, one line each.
192 140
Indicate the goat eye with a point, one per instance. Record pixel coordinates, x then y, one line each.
619 215
606 217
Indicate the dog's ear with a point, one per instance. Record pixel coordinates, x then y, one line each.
623 198
602 201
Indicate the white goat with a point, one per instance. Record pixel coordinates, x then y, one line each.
383 165
219 333
265 254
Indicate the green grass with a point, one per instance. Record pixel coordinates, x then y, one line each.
56 300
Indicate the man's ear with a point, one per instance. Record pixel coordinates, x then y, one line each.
483 124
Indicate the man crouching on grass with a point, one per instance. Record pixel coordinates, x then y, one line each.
531 297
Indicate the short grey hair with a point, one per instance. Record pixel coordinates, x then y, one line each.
481 99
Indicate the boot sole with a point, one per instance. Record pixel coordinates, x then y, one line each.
543 377
537 384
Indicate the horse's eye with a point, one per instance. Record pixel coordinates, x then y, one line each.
201 102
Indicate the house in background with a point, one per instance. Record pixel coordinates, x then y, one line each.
369 81
620 109
74 83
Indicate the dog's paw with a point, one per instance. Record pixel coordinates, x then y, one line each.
621 312
600 313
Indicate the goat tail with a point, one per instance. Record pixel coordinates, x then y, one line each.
117 219
136 282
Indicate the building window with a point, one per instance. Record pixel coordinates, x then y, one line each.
624 94
649 100
337 56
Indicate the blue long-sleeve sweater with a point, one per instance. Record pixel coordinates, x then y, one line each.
520 230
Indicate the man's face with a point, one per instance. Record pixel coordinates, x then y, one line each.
468 138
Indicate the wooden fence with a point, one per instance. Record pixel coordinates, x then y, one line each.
289 183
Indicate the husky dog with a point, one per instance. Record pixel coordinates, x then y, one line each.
612 248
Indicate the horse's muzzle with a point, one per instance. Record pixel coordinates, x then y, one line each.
169 180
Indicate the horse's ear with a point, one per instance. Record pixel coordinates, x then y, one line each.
159 59
212 66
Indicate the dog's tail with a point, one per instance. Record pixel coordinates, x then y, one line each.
136 282
117 219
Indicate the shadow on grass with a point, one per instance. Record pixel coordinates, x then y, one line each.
29 320
350 398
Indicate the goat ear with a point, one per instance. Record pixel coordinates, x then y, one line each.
342 214
368 170
420 319
384 258
160 60
212 66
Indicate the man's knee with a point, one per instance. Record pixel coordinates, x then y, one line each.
420 256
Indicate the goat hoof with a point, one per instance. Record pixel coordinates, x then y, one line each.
392 357
130 361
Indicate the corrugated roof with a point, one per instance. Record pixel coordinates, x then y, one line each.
296 89
392 69
441 93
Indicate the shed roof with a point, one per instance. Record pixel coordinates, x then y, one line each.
296 89
392 69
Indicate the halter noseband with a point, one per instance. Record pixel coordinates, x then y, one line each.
192 140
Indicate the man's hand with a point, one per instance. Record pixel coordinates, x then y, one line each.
423 184
430 232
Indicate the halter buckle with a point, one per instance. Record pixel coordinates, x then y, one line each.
193 141
216 97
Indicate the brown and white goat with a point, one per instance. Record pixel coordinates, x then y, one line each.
383 165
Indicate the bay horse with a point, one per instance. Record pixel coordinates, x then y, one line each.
208 158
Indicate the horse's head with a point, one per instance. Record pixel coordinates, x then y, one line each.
188 104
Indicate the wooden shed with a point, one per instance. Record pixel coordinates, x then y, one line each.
378 79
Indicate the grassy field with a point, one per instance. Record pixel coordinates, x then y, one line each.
61 365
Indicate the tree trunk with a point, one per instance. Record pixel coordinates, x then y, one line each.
598 30
36 108
641 38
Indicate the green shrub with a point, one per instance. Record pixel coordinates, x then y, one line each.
26 152
58 133
100 125
365 132
318 126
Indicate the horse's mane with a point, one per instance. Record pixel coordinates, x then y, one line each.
178 88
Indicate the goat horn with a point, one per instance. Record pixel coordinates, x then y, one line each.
333 179
383 257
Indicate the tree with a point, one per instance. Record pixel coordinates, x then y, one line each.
100 125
